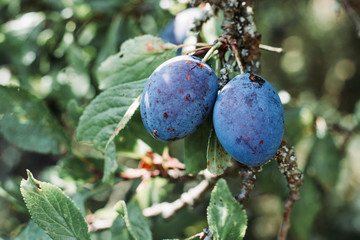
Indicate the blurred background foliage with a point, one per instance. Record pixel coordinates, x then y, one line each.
53 48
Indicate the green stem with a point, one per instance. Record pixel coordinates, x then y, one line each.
211 51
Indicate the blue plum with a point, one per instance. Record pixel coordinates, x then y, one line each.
176 31
178 97
248 119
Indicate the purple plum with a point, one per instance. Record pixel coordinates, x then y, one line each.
248 119
175 32
178 97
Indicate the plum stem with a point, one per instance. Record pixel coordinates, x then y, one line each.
193 44
237 57
211 51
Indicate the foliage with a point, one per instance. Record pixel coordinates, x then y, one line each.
71 73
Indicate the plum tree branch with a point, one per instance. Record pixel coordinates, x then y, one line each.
239 31
191 197
248 175
286 159
188 198
352 15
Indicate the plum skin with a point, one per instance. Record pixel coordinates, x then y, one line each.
248 119
175 32
178 97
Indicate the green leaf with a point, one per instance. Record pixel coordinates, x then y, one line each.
34 232
27 122
195 148
126 118
299 123
217 157
136 60
357 112
111 40
102 115
119 230
79 170
226 217
52 210
305 211
324 161
110 164
136 223
128 140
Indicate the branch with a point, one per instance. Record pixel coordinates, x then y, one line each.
188 198
270 48
191 197
248 182
288 166
351 13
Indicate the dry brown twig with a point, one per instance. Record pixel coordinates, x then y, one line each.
286 159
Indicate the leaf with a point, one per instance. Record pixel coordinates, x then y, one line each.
305 211
136 223
195 148
52 210
34 232
111 40
226 217
119 230
130 135
126 118
102 115
26 121
217 157
77 169
136 60
110 164
299 123
357 112
324 161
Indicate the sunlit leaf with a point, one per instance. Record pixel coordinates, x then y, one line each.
52 210
226 217
136 60
103 114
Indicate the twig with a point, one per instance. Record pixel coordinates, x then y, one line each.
270 48
205 16
196 50
288 166
248 181
188 198
237 56
95 224
350 11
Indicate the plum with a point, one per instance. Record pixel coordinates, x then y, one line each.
176 31
178 97
248 119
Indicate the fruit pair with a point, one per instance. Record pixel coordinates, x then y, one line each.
248 116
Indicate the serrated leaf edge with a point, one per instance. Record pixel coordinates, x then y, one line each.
32 179
242 207
122 210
